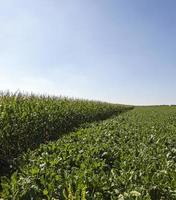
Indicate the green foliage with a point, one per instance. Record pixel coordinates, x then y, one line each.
129 157
28 120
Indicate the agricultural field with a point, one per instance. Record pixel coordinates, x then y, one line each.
26 121
130 156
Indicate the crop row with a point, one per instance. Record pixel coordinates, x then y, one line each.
28 120
132 156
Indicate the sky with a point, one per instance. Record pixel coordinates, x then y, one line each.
119 51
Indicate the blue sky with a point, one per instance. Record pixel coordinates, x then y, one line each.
120 51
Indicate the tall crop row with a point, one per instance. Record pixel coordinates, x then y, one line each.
129 157
28 120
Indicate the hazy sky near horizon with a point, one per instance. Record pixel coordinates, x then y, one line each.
117 50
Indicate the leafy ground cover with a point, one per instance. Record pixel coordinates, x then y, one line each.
28 120
132 156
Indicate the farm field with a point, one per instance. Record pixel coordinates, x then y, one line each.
130 156
26 121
